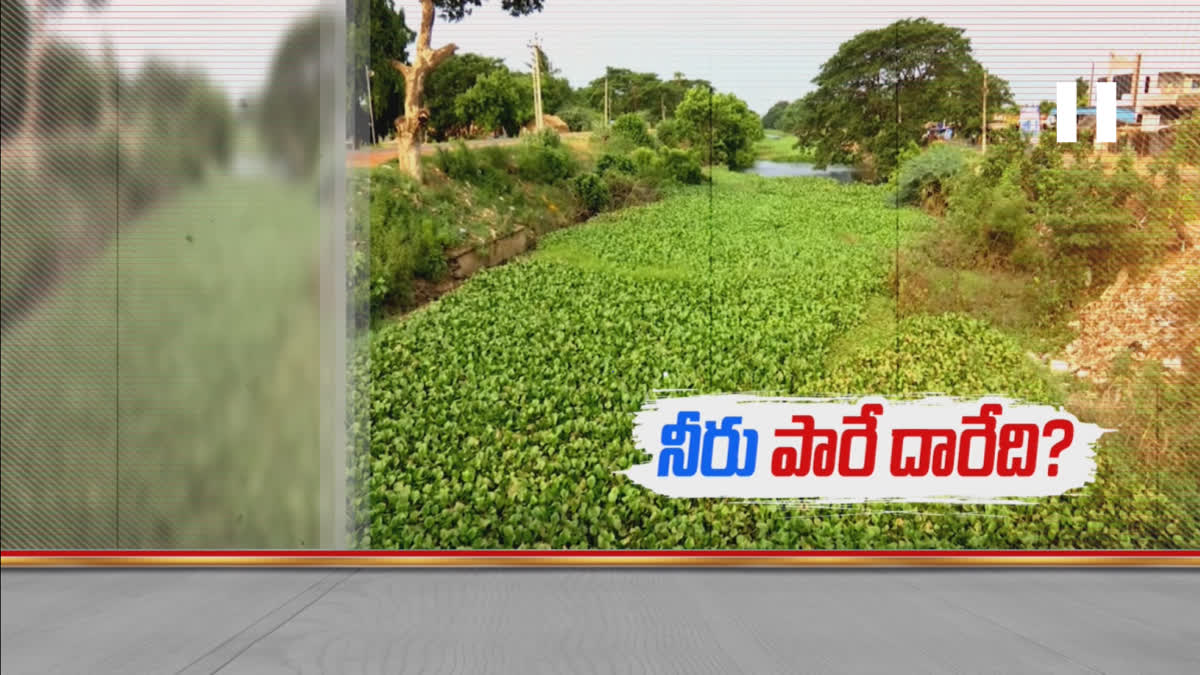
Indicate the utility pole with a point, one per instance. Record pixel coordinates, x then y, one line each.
537 82
1136 84
1092 87
984 123
370 107
662 102
606 116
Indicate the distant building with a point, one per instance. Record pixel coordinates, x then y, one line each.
1167 97
1161 98
1156 101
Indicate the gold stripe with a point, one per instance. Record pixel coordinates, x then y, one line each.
550 560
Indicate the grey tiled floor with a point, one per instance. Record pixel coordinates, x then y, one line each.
601 621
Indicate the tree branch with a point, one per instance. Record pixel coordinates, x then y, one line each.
404 68
441 54
426 31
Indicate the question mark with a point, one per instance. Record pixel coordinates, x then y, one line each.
1068 430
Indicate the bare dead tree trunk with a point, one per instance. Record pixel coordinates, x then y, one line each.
33 68
23 144
425 59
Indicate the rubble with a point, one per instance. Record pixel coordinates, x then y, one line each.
1148 320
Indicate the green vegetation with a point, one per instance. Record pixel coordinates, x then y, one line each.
924 69
498 416
923 179
174 129
292 106
475 195
204 376
1025 217
783 148
721 126
1030 235
632 128
632 92
375 35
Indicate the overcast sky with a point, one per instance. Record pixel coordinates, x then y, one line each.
762 50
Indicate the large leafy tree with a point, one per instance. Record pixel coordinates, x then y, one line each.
377 35
774 115
722 126
425 60
291 107
881 87
452 79
498 100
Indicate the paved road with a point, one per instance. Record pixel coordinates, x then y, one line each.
601 621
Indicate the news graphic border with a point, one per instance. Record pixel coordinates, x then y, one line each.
567 559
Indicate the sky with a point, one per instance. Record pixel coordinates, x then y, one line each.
762 50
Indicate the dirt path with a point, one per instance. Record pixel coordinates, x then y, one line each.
367 158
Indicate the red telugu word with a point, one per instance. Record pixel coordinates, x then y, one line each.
1011 450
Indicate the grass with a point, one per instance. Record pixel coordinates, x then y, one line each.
183 411
781 147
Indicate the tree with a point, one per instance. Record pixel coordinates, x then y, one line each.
774 115
632 92
68 92
881 87
376 34
424 61
452 79
1045 107
38 42
721 125
964 104
1082 93
14 35
498 100
290 109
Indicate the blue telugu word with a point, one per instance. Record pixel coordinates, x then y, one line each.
688 447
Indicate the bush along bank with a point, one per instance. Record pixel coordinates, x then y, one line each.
1057 245
62 210
407 234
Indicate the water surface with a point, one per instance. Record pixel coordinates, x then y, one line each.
843 174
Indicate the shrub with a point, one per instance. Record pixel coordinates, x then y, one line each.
498 158
29 239
669 133
923 178
592 192
682 166
1185 149
633 128
463 164
579 118
1092 226
643 158
543 159
457 163
546 138
620 188
614 162
406 243
994 218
